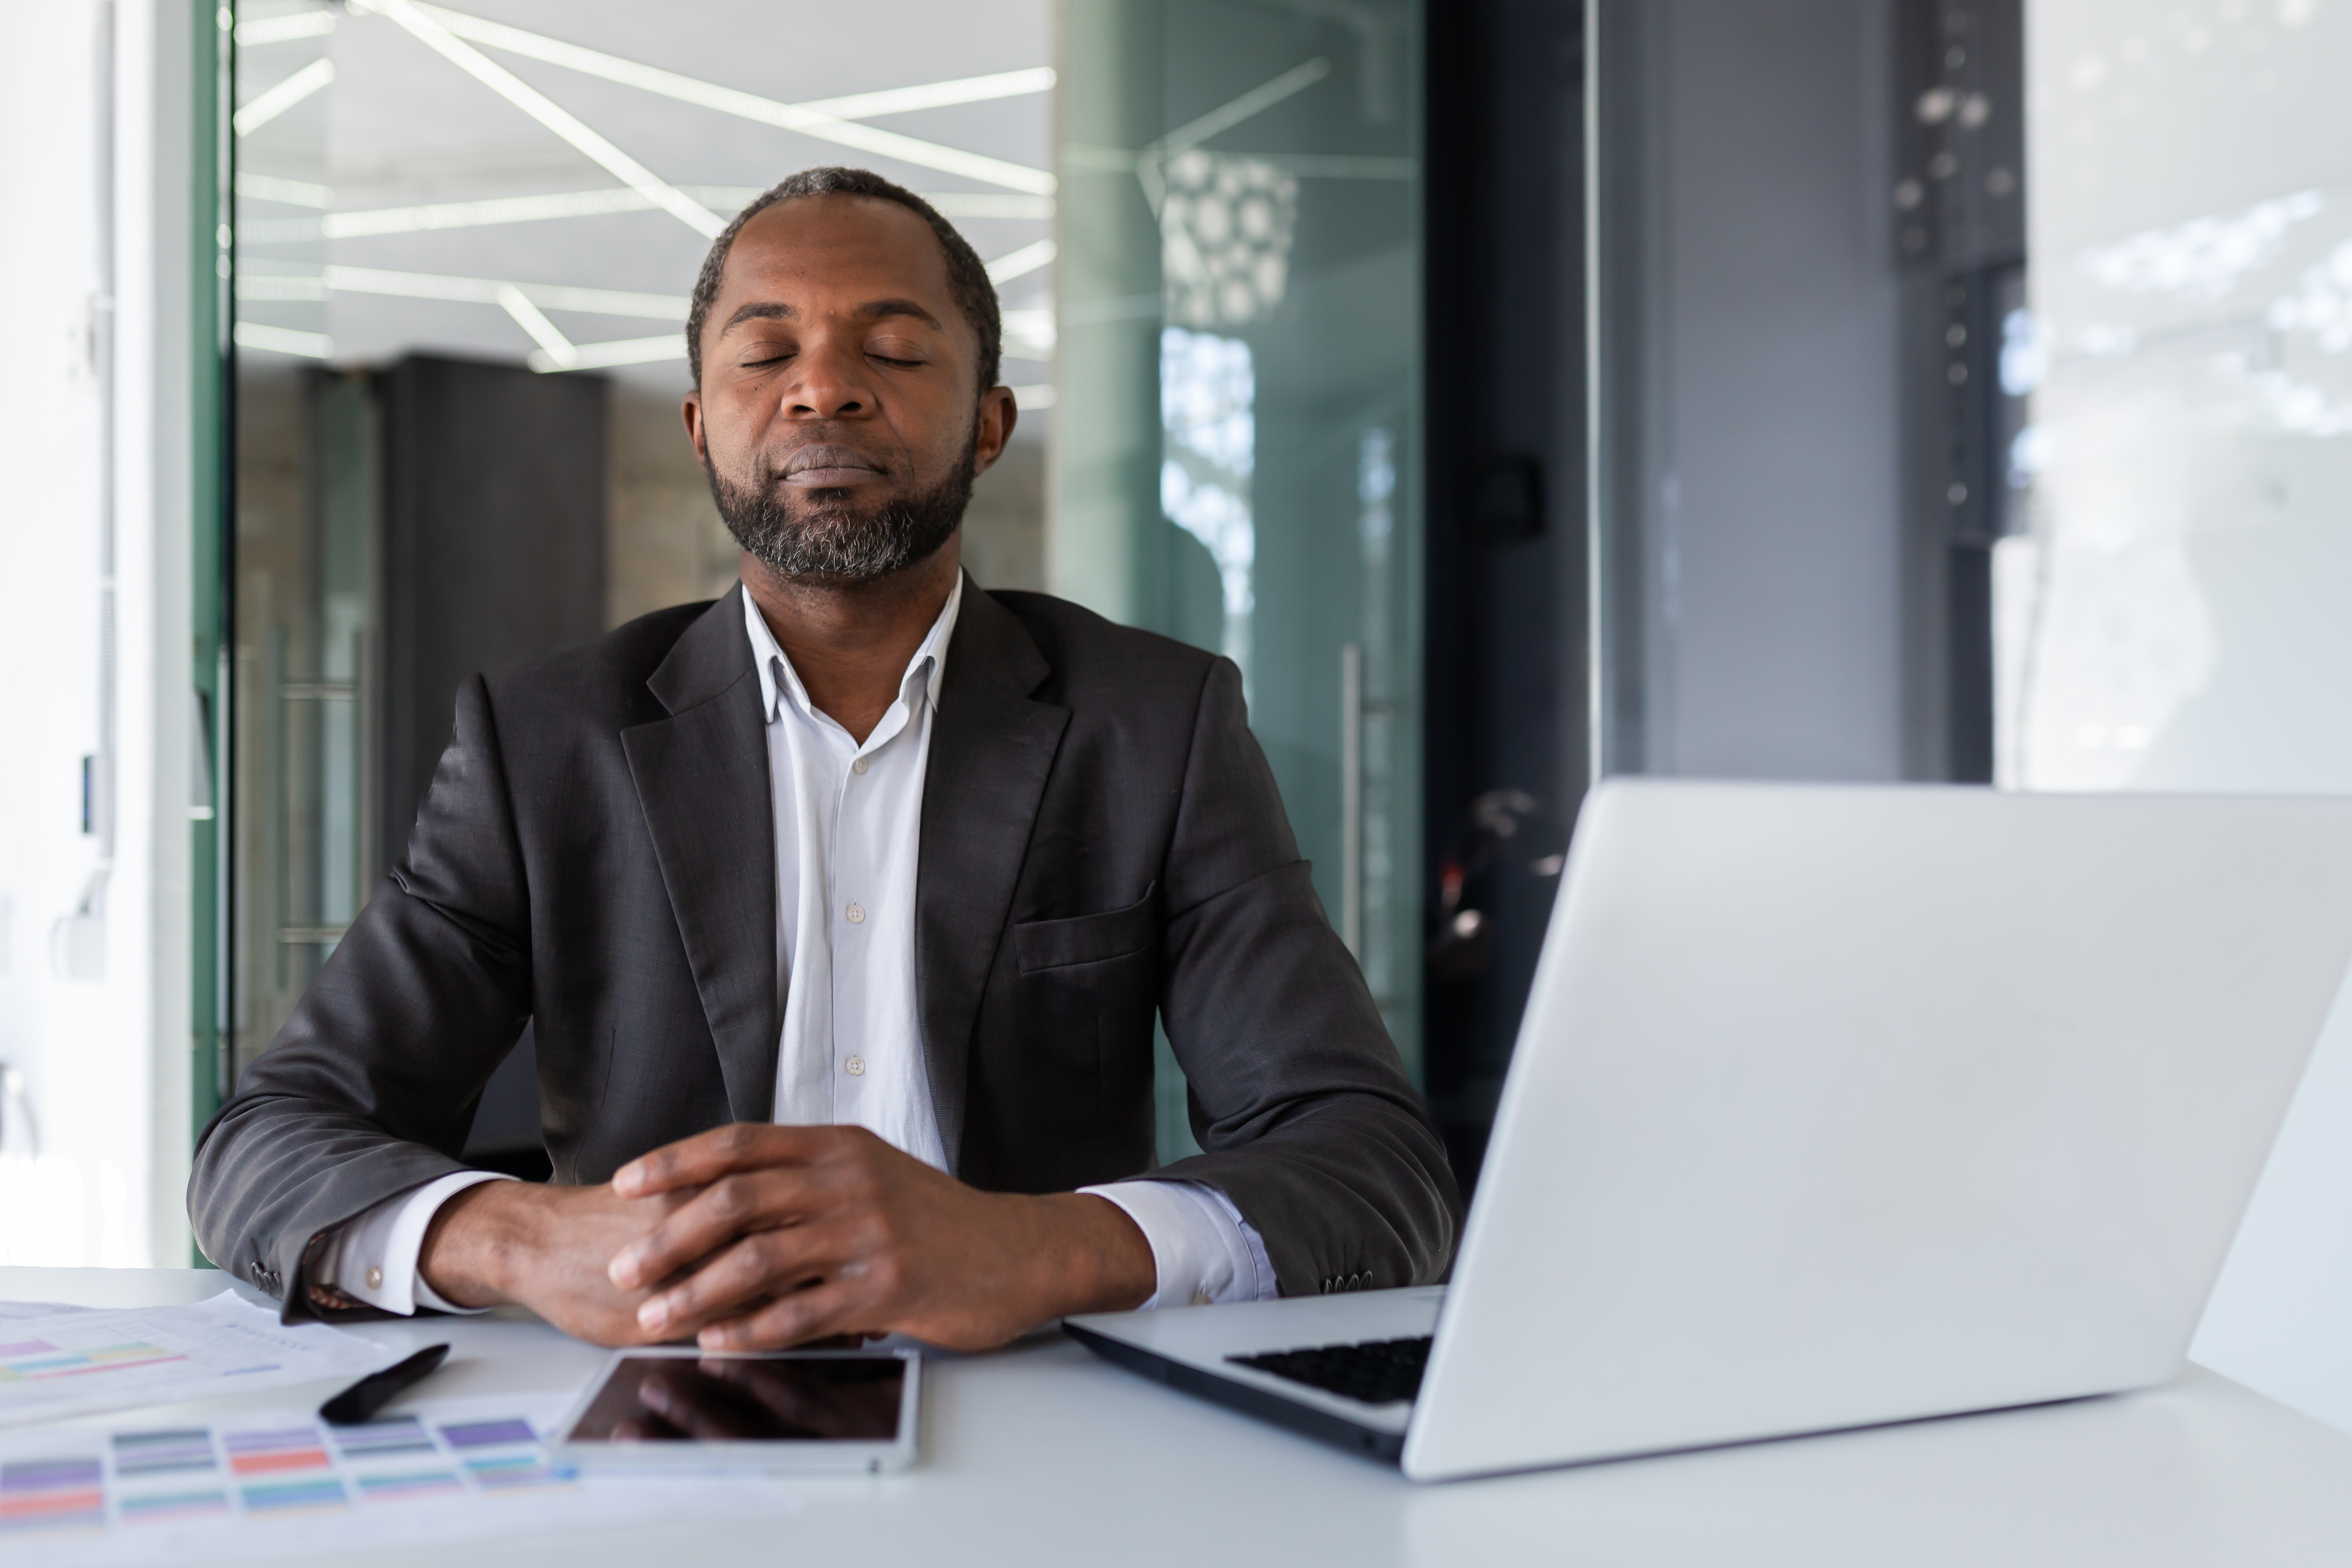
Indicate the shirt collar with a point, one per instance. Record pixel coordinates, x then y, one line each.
780 682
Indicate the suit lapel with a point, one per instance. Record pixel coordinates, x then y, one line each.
992 749
702 778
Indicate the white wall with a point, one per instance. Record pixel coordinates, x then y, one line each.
2178 618
103 1059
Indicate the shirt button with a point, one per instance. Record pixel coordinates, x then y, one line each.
857 914
375 1278
855 1066
859 766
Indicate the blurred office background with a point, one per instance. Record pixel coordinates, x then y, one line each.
1519 391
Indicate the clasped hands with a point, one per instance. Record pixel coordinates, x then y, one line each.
755 1236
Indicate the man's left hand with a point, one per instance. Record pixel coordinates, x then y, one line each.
804 1233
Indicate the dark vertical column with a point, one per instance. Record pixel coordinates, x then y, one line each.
1959 206
1505 753
494 543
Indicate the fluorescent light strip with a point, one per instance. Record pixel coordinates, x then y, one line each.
724 199
726 100
499 79
1021 262
988 203
269 286
731 199
478 213
1035 398
1027 330
626 351
1257 100
935 95
283 341
442 215
279 230
292 193
485 292
269 105
554 344
287 28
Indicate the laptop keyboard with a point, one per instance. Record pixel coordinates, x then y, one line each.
1378 1372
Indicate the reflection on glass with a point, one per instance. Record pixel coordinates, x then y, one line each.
1208 398
2174 617
1238 459
1373 934
2163 621
304 831
1225 227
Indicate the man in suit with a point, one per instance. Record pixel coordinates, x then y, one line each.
841 909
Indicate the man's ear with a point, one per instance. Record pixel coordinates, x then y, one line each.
998 415
691 408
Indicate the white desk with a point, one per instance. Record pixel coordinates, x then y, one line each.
1043 1455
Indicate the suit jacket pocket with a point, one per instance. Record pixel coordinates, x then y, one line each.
1087 939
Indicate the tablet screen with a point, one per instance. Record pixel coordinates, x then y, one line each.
746 1399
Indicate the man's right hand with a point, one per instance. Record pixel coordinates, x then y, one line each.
547 1248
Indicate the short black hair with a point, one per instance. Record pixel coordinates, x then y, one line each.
974 295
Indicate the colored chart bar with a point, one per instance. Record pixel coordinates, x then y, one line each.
278 1467
378 1439
278 1497
47 1494
161 1453
35 1361
409 1483
487 1433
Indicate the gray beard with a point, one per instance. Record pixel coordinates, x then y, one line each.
796 536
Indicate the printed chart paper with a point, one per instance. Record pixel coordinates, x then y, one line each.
78 1363
12 1311
131 1494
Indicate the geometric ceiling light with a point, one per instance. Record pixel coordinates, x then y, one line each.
808 120
492 211
285 29
268 106
605 356
628 170
825 118
936 94
292 193
1021 262
340 280
545 332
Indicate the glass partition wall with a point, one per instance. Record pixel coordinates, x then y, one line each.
1238 458
463 242
2171 618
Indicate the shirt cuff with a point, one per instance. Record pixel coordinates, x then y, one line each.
1205 1252
372 1257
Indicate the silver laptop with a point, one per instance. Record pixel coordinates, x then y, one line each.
1836 1106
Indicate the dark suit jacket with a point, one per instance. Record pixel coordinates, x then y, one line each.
1101 840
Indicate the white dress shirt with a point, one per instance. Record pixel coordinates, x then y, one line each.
848 825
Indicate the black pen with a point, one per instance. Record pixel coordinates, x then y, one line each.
370 1394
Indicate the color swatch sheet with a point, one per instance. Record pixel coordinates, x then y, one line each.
70 1361
285 1483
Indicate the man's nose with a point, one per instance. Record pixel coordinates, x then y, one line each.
832 385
